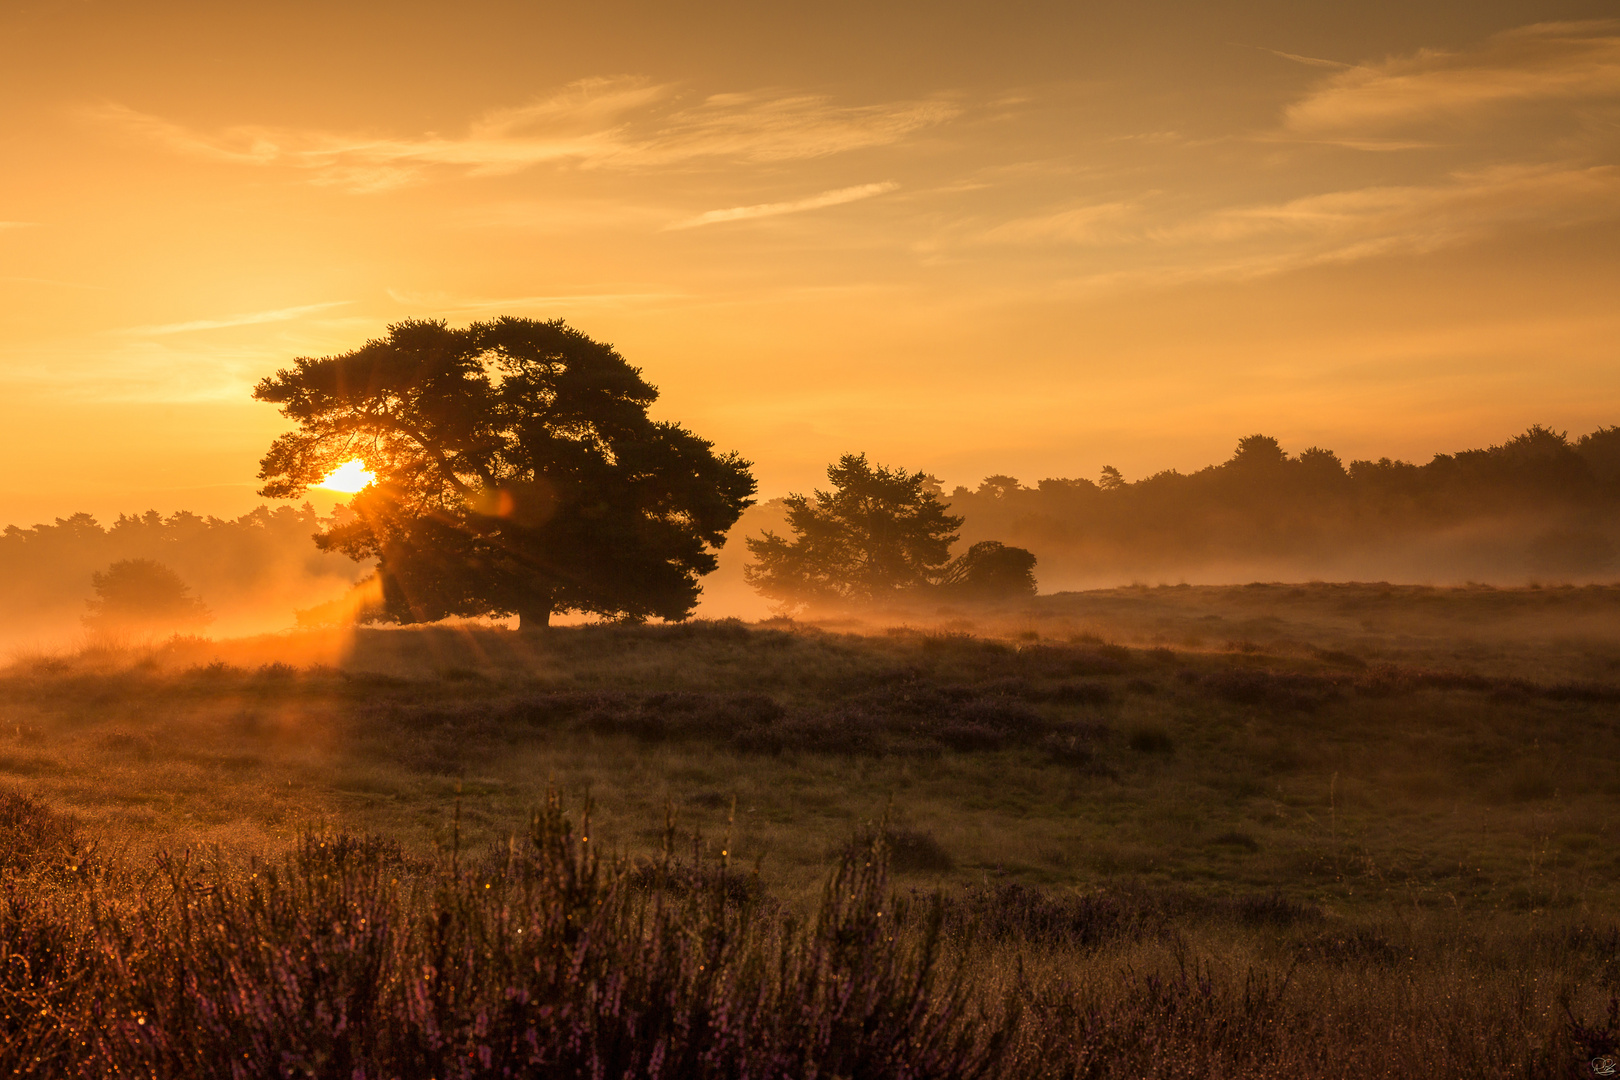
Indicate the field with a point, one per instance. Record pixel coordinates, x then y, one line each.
1311 830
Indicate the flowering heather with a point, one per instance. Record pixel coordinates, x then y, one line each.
347 958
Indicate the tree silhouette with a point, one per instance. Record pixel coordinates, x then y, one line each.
878 532
1258 452
991 570
517 473
143 596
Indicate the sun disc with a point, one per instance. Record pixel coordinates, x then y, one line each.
348 478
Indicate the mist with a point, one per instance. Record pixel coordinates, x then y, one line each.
253 573
1538 508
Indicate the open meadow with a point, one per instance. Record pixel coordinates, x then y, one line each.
1269 830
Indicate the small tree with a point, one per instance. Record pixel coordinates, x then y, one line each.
517 473
878 532
991 570
139 595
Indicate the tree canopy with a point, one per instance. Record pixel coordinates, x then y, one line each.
143 596
517 473
878 531
1540 504
991 570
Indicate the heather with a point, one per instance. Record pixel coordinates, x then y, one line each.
1301 831
345 956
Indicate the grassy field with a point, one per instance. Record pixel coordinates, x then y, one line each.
1384 810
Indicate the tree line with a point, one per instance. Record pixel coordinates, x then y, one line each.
1537 503
179 572
518 472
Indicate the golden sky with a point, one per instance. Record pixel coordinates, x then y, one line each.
972 238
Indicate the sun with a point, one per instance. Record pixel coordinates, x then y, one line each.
348 478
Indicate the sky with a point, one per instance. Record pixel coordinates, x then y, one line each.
1019 238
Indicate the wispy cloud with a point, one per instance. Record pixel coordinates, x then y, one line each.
19 224
1545 165
1547 62
1469 205
836 197
246 319
622 123
1147 244
1308 61
1090 224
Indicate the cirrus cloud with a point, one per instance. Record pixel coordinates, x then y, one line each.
618 123
837 197
1547 62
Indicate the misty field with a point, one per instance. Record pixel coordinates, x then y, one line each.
1276 830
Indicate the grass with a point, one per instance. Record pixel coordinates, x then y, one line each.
1316 853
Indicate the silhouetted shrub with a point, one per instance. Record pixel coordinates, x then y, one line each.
1150 740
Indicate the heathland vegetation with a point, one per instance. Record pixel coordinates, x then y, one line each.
943 827
1291 832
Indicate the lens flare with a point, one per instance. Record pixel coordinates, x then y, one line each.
348 478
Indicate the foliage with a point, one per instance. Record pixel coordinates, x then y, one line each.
258 566
878 532
518 473
346 957
542 959
990 570
1538 504
142 595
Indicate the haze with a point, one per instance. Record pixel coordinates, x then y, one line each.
1023 239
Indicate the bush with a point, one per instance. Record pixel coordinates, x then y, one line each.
1151 740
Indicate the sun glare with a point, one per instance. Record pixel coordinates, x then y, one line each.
347 478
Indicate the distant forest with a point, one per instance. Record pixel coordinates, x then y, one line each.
1539 506
251 572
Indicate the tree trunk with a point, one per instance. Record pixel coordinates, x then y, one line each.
534 618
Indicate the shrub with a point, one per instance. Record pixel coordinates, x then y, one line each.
1151 740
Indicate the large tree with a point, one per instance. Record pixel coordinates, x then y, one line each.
878 532
517 472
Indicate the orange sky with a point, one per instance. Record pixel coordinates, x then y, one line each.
1021 238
